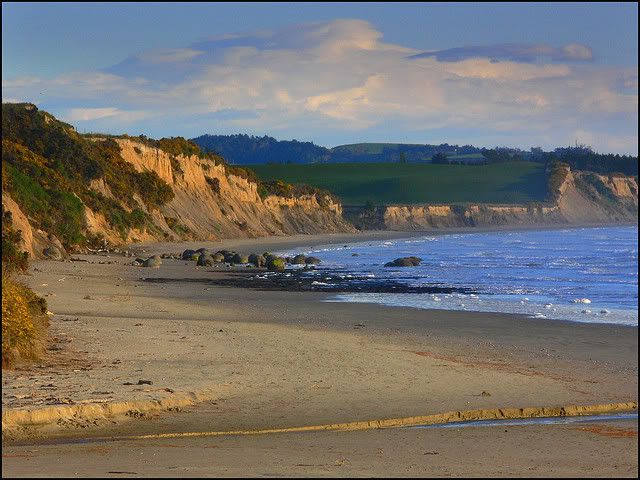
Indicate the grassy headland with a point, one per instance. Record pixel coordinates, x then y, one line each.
394 183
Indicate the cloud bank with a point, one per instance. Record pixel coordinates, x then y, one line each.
514 53
338 80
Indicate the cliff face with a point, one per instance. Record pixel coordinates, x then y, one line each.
209 203
584 198
212 203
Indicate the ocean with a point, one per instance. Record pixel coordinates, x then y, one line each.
576 274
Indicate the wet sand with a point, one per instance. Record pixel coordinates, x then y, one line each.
278 359
561 451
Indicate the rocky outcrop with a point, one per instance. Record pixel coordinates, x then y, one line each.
582 198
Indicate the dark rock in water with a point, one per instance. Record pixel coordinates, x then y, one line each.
355 254
404 262
238 258
299 260
205 261
275 263
218 257
289 260
303 279
312 261
138 261
53 253
257 260
188 254
154 261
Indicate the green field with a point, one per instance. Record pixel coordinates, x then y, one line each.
393 183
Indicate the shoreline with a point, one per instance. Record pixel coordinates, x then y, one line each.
301 241
248 279
255 278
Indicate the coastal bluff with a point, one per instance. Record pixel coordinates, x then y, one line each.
582 198
75 191
213 203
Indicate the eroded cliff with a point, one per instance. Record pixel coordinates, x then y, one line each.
210 202
581 198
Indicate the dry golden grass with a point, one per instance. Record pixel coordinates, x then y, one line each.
24 323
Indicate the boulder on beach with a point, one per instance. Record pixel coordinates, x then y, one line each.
257 260
153 262
188 254
404 262
298 260
239 258
52 253
312 261
228 256
205 261
218 257
275 263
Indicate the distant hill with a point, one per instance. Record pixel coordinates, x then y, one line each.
251 150
245 150
398 152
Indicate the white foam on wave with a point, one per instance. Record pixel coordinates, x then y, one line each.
487 303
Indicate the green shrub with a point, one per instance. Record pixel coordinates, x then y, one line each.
23 322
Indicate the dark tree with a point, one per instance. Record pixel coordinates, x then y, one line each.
440 159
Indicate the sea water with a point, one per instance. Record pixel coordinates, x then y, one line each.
578 274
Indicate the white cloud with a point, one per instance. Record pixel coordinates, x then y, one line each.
88 114
169 55
340 75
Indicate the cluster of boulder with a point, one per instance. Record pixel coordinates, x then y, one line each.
404 262
205 258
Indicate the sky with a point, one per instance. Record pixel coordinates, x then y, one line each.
486 74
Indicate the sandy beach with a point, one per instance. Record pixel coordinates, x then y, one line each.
266 359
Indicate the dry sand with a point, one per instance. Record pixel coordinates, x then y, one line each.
278 359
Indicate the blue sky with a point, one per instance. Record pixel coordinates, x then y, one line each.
485 74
